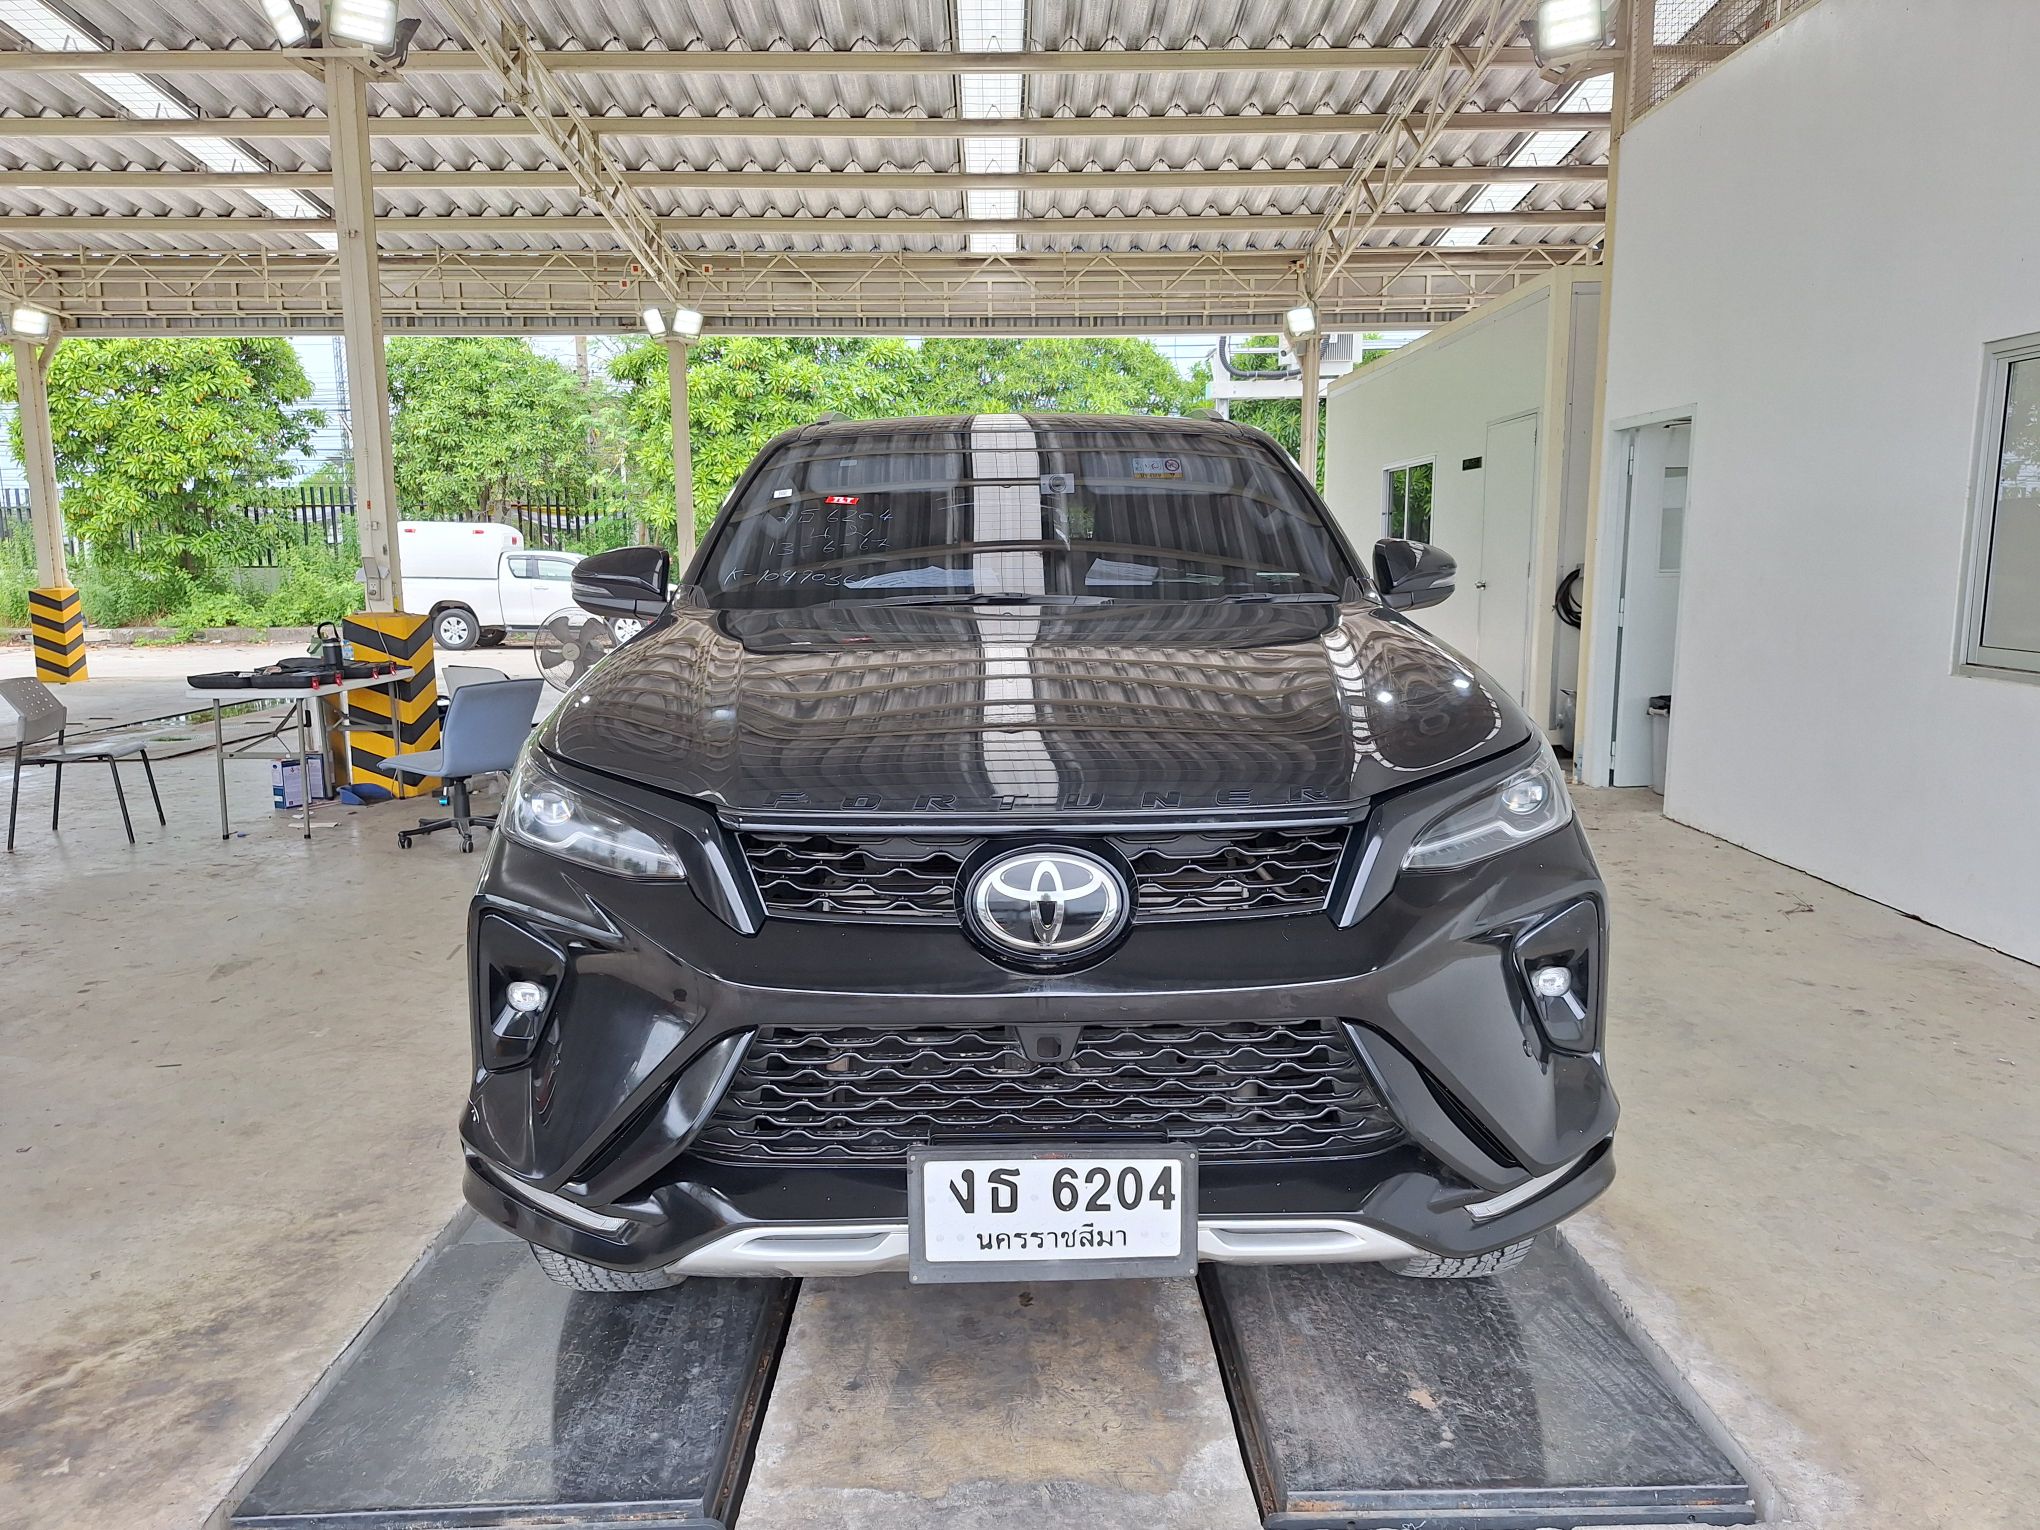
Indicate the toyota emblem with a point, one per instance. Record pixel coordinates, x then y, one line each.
1047 905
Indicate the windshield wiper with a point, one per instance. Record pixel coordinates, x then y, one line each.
1264 598
974 598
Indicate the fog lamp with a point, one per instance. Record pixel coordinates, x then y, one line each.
527 997
1552 982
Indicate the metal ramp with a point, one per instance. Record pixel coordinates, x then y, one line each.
1370 1402
488 1397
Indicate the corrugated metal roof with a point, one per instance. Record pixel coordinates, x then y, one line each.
1071 219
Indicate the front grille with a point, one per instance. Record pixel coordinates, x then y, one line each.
1235 1090
1210 874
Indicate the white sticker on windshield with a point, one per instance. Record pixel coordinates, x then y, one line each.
1058 483
1107 571
1158 467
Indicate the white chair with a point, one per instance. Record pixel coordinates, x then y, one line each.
41 722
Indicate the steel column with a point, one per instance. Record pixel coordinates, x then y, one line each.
38 459
683 455
1309 351
368 386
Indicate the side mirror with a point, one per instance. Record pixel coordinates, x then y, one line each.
627 581
1412 574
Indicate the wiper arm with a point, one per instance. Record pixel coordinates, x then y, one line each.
975 598
1269 598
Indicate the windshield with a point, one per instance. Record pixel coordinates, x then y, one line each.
1013 510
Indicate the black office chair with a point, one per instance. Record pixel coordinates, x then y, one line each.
40 724
485 728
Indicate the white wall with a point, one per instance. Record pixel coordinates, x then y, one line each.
1816 277
1434 400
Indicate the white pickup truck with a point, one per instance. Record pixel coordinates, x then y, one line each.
480 582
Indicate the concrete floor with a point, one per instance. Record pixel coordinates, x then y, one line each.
230 1072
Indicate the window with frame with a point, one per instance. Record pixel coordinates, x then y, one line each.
1406 511
2001 618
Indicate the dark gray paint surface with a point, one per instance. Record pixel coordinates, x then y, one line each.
1371 1400
492 1396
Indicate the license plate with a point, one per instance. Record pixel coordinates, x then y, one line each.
1050 1213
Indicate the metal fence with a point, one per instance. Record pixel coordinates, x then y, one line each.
1701 23
318 514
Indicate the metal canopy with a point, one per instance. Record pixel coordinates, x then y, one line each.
802 166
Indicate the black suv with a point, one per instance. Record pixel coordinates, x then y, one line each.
1032 847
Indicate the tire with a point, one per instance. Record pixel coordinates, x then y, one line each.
1438 1267
624 628
455 629
492 637
580 1275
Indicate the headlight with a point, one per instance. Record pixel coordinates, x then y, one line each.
1518 809
544 812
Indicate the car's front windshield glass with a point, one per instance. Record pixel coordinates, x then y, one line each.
1006 509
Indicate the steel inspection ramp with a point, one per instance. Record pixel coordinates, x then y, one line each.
1366 1401
488 1396
1288 1397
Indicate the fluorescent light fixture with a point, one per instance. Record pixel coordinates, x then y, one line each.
372 23
29 323
288 22
1567 28
687 323
991 26
1300 323
42 28
655 322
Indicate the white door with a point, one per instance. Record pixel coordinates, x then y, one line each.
536 587
1647 610
1507 525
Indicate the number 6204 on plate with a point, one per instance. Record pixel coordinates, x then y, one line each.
1076 1213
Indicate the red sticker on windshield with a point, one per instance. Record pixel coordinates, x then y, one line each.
840 499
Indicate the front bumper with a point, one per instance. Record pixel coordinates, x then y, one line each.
578 1126
691 1231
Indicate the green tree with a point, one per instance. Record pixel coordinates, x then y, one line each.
480 420
160 442
742 391
1093 375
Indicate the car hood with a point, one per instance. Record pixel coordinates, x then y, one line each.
1147 710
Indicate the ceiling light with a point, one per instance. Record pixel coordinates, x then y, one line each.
687 323
655 322
29 323
1300 323
1567 28
288 21
372 23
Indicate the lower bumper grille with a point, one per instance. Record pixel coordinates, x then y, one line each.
1235 1090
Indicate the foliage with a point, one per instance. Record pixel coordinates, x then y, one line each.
158 441
742 391
480 418
1094 375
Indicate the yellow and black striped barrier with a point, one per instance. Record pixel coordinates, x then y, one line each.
400 638
56 629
